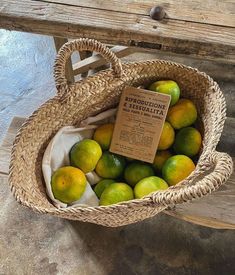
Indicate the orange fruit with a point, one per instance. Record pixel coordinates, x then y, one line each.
160 158
116 192
136 171
68 184
168 87
167 137
103 135
177 168
149 185
188 141
182 114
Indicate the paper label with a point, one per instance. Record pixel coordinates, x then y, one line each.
140 118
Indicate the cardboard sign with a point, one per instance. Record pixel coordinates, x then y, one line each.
140 118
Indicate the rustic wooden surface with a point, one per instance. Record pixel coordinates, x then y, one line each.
196 28
95 61
216 210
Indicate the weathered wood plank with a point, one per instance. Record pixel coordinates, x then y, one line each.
216 210
207 12
96 60
119 28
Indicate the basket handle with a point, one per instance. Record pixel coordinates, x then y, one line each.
82 44
222 165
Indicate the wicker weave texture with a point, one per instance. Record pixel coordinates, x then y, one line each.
97 93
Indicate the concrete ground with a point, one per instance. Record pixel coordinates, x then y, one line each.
38 244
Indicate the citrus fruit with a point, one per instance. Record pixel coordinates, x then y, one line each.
168 87
188 141
85 155
68 184
101 185
160 158
136 171
149 185
115 193
182 114
177 168
110 166
103 135
167 137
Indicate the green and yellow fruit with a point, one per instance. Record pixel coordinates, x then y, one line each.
136 171
168 87
68 184
182 114
149 185
110 166
167 137
101 185
177 168
160 158
188 142
103 135
116 192
85 155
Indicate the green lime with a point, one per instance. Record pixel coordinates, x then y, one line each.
110 166
116 192
137 171
188 141
149 185
101 185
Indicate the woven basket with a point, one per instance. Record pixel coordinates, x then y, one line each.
75 102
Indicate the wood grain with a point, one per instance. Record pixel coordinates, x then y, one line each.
113 27
216 210
96 61
207 12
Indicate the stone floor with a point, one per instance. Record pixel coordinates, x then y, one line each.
38 244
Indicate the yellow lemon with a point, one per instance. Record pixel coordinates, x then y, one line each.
188 141
160 158
103 135
177 168
167 137
68 184
168 87
136 171
110 166
85 155
149 185
116 192
182 114
101 185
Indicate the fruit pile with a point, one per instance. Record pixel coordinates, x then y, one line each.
122 178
